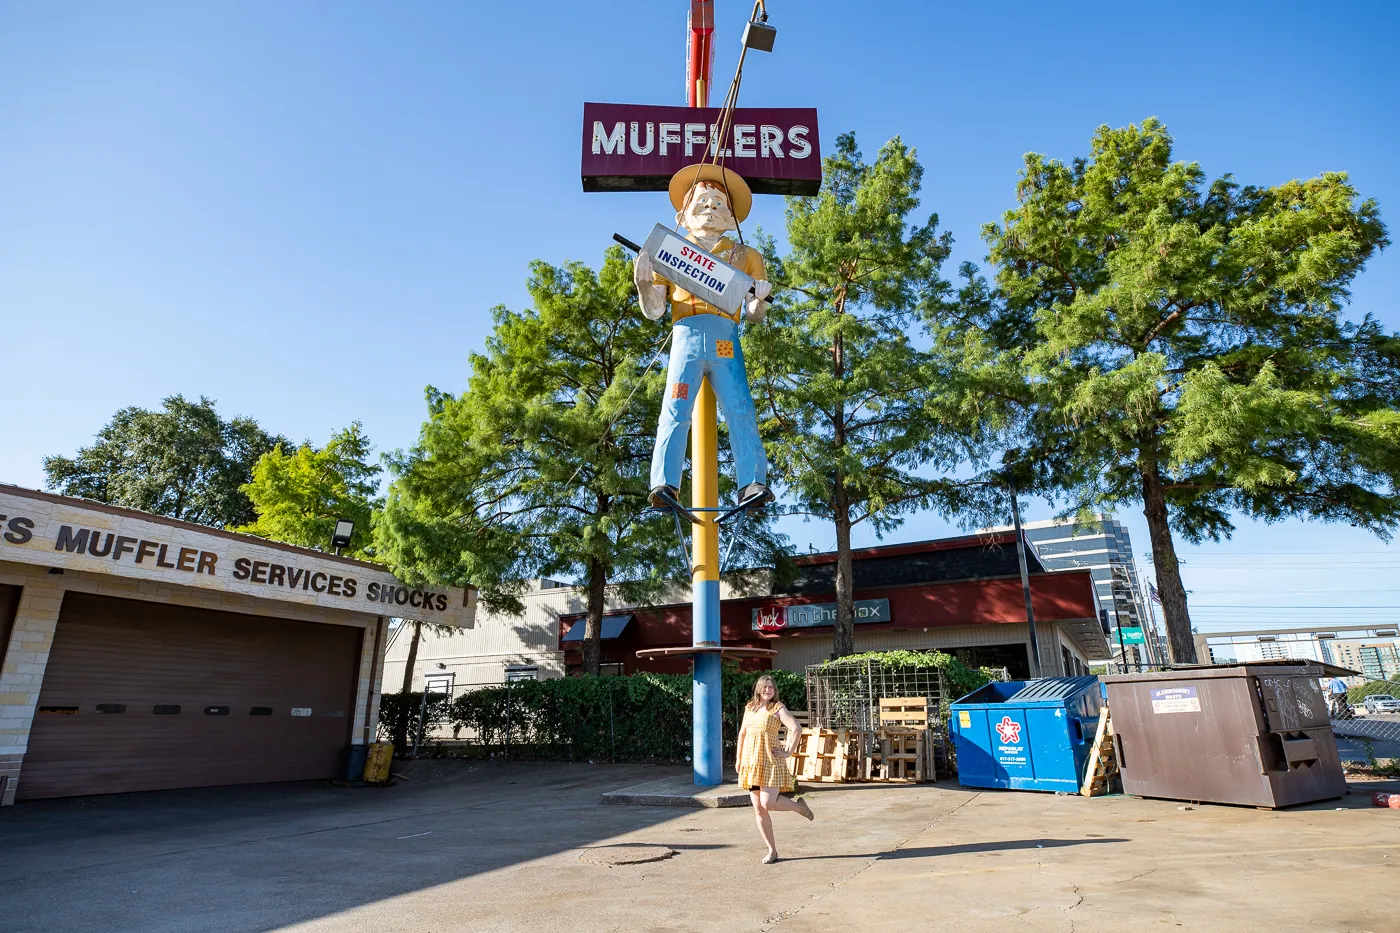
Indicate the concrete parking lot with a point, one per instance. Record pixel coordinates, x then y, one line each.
496 846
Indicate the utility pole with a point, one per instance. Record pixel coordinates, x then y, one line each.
1025 575
1148 623
1119 576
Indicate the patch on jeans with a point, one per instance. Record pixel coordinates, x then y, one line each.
724 349
680 390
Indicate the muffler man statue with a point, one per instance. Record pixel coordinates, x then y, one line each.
705 339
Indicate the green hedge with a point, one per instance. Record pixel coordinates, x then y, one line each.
402 709
644 717
1357 695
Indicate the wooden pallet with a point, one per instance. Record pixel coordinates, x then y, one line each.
904 711
825 756
801 718
1102 768
903 748
900 756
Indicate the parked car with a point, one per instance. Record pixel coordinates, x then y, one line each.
1382 703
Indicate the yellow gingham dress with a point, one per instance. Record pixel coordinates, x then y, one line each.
760 767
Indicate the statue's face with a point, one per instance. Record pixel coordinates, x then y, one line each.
708 212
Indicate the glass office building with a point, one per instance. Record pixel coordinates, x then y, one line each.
1105 550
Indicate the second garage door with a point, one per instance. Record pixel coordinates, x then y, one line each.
146 696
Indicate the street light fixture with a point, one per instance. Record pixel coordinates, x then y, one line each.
344 529
759 36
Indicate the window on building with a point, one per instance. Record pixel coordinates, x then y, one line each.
1015 658
611 670
1371 665
519 672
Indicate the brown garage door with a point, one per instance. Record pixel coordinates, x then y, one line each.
146 696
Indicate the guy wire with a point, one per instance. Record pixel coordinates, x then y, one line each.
626 404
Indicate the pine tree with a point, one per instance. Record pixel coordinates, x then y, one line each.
1181 343
856 423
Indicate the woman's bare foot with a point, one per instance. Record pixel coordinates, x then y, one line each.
805 809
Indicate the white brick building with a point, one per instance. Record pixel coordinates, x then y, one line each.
145 653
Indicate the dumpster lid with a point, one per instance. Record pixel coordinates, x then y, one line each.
1297 666
1052 689
1331 670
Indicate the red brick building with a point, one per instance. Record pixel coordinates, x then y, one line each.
961 595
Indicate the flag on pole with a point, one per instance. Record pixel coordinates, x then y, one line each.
1152 591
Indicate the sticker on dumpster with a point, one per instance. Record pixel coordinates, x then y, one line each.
1009 730
1011 754
1176 700
964 719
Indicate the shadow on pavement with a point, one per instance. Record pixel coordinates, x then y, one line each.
935 851
250 859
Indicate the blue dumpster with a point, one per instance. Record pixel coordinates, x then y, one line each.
1026 735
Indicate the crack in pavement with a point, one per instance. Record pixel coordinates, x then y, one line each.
1141 874
1072 906
789 914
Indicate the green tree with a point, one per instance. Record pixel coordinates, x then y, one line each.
1180 343
540 468
183 461
852 417
299 496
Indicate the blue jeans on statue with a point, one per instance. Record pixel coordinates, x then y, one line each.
707 345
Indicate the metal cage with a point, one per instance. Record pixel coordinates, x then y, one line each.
847 694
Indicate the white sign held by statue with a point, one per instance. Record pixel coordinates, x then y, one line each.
697 270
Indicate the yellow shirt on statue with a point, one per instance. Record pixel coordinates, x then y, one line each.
745 258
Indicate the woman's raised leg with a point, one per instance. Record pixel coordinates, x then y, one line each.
773 800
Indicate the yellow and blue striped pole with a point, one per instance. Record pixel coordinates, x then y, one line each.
707 712
706 736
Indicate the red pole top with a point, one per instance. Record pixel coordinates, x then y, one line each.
700 53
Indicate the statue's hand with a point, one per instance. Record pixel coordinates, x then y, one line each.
757 307
651 296
642 272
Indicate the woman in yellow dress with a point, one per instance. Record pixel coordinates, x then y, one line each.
763 769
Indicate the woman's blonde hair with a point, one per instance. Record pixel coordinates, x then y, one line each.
757 699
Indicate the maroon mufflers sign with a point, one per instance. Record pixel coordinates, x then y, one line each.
638 147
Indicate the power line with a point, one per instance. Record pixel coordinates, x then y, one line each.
1288 608
1381 550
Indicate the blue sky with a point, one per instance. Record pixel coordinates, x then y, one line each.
305 211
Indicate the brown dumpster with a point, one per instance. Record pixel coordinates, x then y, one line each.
1256 734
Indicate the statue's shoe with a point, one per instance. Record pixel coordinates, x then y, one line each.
755 496
663 497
